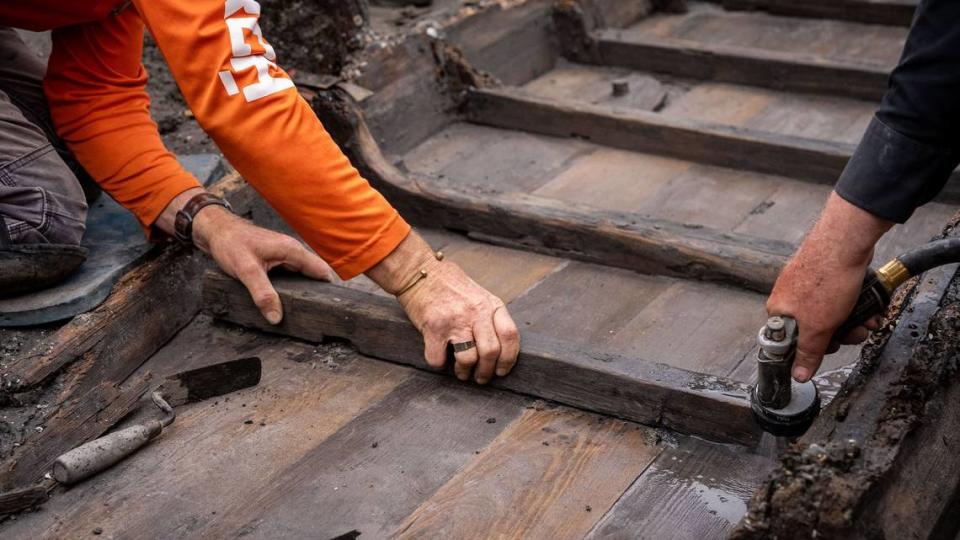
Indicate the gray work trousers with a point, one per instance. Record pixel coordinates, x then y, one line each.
41 198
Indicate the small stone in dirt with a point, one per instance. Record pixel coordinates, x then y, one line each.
374 445
491 420
545 443
98 531
248 421
589 508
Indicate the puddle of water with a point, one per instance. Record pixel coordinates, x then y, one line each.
722 498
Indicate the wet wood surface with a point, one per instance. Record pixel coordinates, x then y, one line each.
383 449
690 492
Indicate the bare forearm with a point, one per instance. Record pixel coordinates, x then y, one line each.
844 235
409 257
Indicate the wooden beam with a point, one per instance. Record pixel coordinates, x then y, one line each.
548 226
734 147
644 131
882 460
82 365
887 12
83 419
739 65
632 389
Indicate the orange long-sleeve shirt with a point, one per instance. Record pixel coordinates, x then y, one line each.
226 70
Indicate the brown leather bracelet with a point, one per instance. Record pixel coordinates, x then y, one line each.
183 224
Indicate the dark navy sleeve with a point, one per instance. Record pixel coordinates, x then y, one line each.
910 149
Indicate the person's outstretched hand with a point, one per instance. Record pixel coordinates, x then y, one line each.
820 285
448 307
248 252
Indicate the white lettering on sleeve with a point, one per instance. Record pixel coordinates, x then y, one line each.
233 6
242 57
265 84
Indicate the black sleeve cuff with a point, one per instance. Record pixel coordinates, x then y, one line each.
890 174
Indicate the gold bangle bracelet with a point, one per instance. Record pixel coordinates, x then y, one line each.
418 277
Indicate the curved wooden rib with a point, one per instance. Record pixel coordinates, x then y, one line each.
544 225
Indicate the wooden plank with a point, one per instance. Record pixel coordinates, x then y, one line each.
493 160
796 72
22 499
889 12
85 418
218 452
832 39
641 131
633 389
552 473
693 491
97 351
585 304
583 233
505 273
375 470
693 326
614 180
813 160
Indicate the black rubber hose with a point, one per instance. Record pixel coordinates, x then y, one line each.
931 255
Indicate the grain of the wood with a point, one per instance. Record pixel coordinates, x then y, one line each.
700 328
552 473
593 85
210 459
721 103
692 197
585 304
84 418
515 43
543 225
887 12
613 179
505 273
694 491
490 160
833 39
642 131
376 469
22 499
768 68
630 388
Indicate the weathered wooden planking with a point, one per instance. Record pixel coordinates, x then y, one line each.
698 327
489 161
585 304
552 473
84 418
543 225
889 12
642 131
593 84
633 389
694 491
375 470
220 451
505 273
135 320
832 39
614 179
814 160
795 72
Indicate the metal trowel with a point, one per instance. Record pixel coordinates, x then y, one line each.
180 389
